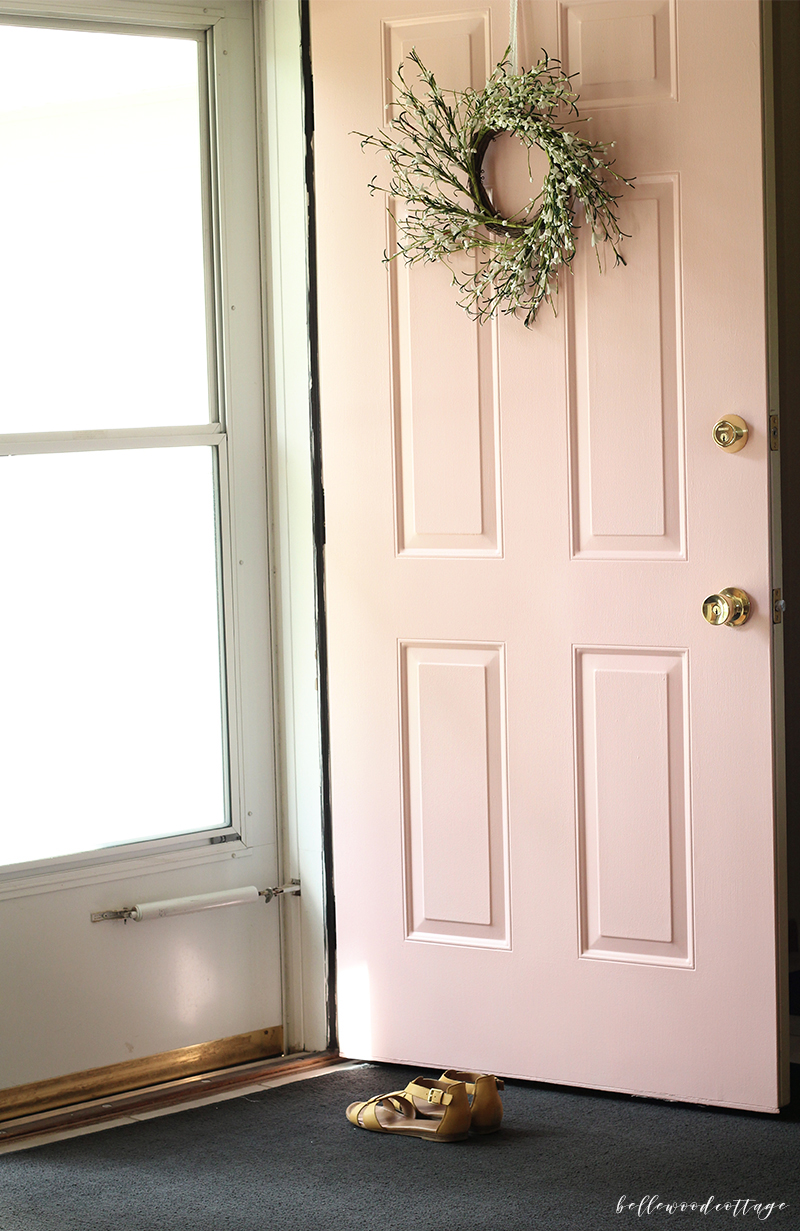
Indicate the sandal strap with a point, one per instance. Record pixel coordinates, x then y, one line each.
470 1084
367 1112
431 1091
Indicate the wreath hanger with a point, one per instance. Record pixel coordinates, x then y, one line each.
503 226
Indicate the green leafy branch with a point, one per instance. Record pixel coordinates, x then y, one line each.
435 147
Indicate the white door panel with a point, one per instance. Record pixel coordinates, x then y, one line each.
84 995
552 780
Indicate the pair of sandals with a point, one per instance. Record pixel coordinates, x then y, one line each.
444 1110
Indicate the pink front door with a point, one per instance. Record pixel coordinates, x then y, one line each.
554 835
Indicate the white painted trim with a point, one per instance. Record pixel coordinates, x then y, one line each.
107 868
110 438
177 15
278 31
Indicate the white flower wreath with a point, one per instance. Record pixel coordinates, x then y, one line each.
435 148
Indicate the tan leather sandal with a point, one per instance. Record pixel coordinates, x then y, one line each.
486 1109
399 1112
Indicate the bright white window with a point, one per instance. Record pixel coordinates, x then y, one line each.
122 709
111 723
102 301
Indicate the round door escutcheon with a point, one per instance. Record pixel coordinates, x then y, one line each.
731 433
730 607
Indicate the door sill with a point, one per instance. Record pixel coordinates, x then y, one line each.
141 1073
163 1097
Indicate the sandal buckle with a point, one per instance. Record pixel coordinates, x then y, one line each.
435 1096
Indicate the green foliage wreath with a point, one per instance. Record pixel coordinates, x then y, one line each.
435 148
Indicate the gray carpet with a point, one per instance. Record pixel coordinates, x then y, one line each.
287 1158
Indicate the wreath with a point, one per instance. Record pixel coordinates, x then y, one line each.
435 148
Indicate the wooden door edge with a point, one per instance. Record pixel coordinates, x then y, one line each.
140 1075
774 260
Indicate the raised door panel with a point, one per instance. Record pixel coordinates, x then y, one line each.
621 52
445 396
455 791
625 372
634 839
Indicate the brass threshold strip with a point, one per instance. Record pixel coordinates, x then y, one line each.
150 1082
137 1074
165 1095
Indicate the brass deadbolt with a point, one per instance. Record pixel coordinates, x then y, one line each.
730 607
731 433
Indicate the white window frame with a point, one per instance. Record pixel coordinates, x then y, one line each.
232 243
236 432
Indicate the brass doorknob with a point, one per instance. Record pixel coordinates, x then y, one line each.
731 607
731 433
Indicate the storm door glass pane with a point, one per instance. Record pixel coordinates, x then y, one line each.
111 726
103 295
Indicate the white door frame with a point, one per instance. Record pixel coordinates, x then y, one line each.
299 692
296 691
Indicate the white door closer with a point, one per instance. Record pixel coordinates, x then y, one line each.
198 901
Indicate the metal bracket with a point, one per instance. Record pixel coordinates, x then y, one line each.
774 433
100 916
269 894
778 607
